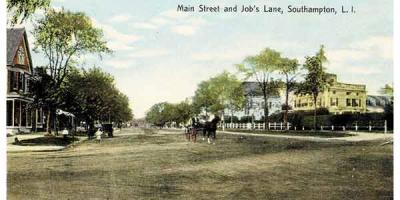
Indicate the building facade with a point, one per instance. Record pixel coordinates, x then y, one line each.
20 116
255 103
338 98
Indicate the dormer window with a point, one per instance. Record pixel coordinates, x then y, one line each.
21 56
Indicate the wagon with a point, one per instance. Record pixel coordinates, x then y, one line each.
108 128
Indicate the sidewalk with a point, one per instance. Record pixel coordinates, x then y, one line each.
358 136
11 148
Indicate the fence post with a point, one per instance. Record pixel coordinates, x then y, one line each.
281 126
303 128
295 128
369 126
333 127
356 127
274 125
344 128
287 126
385 126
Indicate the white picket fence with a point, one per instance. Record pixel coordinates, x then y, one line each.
279 126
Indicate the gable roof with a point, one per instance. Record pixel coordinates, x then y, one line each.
251 88
14 37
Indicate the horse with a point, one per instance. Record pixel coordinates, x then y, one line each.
210 129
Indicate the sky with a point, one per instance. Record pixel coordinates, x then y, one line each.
161 55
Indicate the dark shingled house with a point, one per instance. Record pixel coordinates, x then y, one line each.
20 117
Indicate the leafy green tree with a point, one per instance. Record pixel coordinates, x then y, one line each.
203 98
21 10
288 69
261 68
42 90
219 93
183 111
91 95
63 36
387 90
316 79
157 114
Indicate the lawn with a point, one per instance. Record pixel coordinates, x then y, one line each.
323 134
150 165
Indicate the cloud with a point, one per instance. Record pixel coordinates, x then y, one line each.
118 41
185 30
363 57
176 22
144 25
120 18
119 63
147 53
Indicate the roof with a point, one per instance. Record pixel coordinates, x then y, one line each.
374 100
253 89
14 37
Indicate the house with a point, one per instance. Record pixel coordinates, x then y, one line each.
20 116
255 103
337 98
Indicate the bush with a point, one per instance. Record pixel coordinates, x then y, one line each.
300 119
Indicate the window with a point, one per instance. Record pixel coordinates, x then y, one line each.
337 101
21 56
17 112
9 113
354 103
21 81
357 93
23 113
348 102
27 84
270 104
334 92
9 81
359 103
14 81
348 93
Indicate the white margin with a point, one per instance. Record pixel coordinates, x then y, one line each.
396 85
3 79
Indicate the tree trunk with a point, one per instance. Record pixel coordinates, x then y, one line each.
223 121
285 118
266 117
48 125
315 113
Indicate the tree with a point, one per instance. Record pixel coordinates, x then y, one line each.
387 90
63 36
221 92
316 79
42 90
183 112
261 68
91 95
21 10
288 68
157 114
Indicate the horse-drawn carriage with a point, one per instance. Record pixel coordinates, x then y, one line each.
207 129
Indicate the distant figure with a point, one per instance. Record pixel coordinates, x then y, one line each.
65 133
16 141
98 135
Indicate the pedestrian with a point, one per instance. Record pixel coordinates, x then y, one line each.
98 135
